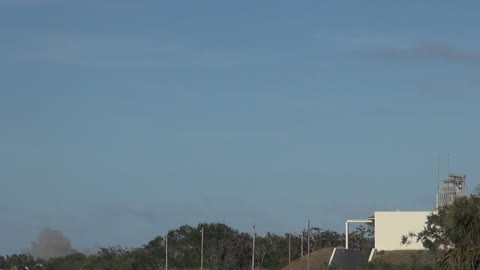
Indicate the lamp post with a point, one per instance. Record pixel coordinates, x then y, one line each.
253 249
166 251
301 244
201 253
308 246
289 248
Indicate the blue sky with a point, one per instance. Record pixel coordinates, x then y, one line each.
121 120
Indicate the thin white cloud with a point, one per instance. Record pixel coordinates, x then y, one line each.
401 48
114 51
437 90
24 3
75 48
430 51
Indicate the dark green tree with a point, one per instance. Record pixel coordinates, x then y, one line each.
361 238
454 232
70 262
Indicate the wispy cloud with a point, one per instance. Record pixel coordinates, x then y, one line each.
429 51
79 48
24 3
401 47
116 51
437 90
449 56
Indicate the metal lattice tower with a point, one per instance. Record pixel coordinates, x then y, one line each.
452 188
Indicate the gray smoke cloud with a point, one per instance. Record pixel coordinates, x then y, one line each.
50 244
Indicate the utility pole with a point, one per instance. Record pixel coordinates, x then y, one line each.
253 249
308 246
301 244
289 248
201 253
166 251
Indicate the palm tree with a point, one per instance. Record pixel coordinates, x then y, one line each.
462 229
454 232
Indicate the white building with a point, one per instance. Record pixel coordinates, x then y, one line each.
390 226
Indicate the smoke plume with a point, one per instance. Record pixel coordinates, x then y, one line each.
50 244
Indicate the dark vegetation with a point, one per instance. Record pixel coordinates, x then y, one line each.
454 234
402 260
224 248
452 237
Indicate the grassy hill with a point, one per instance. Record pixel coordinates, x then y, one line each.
404 259
318 260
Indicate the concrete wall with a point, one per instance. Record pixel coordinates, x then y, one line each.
390 226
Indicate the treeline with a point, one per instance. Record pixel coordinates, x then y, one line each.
224 248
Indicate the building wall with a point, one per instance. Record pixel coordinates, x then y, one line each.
390 226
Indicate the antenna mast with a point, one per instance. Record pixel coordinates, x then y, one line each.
438 180
448 165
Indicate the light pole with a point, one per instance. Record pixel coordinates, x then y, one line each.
289 248
253 249
308 246
301 243
346 234
201 253
166 251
